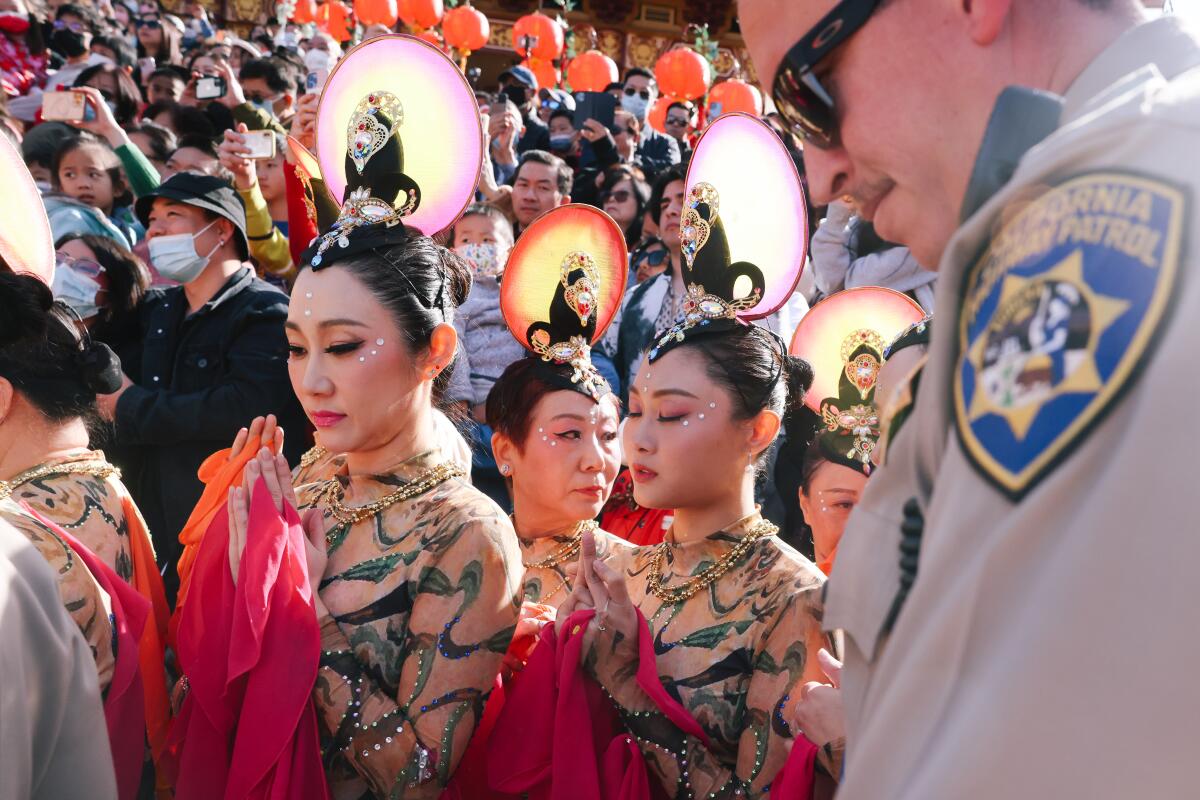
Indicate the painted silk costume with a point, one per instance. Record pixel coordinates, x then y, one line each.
730 654
89 506
81 595
549 585
424 598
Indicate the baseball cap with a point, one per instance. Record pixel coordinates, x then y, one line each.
522 75
202 191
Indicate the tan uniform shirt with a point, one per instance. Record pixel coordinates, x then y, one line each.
1049 646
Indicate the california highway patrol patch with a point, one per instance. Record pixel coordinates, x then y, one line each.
1058 315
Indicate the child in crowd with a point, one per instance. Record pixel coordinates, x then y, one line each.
86 168
484 238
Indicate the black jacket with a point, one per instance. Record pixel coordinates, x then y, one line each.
656 152
202 377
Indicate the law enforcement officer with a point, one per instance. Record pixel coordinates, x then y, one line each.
1047 646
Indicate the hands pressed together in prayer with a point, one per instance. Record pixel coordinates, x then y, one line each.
597 586
270 466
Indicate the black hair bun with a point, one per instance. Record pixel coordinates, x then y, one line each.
100 368
26 302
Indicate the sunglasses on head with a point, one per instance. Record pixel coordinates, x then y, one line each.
630 92
799 96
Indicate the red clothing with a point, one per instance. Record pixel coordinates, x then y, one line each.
560 738
124 706
20 70
247 728
795 780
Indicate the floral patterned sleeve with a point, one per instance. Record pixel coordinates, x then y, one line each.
451 626
758 744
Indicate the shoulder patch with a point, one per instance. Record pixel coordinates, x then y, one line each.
1057 317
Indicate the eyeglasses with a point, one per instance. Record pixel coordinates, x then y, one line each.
799 96
677 121
84 266
620 196
74 27
551 104
148 23
630 92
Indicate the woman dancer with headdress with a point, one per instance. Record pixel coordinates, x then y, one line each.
412 576
66 497
698 640
844 338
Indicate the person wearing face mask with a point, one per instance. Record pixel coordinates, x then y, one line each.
270 85
484 237
23 56
520 85
655 151
213 353
71 38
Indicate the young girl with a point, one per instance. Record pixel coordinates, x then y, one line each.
86 169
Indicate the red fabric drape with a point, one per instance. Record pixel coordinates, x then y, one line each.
125 704
795 780
247 728
559 737
623 517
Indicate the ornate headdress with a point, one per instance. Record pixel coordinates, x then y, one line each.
562 287
26 244
742 256
844 337
388 96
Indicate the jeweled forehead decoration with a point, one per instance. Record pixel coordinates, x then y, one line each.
582 293
694 229
860 423
863 369
365 133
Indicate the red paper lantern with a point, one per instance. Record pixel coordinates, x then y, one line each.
657 117
683 73
376 12
544 35
334 18
305 12
466 29
591 71
435 39
421 14
734 95
547 76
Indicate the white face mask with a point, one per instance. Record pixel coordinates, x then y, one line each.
76 290
635 104
175 256
483 258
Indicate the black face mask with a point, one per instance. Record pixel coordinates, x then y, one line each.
518 94
67 43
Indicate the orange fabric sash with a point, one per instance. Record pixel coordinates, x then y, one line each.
149 584
218 474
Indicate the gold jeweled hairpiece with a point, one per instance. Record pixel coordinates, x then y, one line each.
365 134
580 295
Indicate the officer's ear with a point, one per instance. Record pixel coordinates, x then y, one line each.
986 19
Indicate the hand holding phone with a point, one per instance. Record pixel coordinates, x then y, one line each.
210 87
258 145
600 106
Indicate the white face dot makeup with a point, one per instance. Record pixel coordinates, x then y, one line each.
712 405
554 444
307 312
379 342
374 352
308 295
700 416
362 359
685 423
